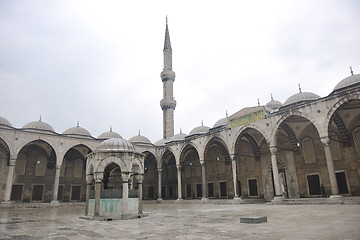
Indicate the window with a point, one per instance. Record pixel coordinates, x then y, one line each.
37 193
75 193
253 190
211 190
198 190
223 190
308 150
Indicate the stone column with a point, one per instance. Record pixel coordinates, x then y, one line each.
125 193
89 180
139 179
330 167
235 178
97 198
9 181
179 182
56 185
275 171
159 184
203 183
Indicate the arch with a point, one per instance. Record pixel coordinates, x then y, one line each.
35 139
274 132
6 150
246 133
109 160
343 100
185 149
136 161
215 139
244 128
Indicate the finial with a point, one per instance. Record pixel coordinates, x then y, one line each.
202 123
258 102
180 131
77 124
351 71
272 99
139 132
227 114
166 20
40 119
299 87
110 128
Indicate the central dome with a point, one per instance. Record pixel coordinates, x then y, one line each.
116 144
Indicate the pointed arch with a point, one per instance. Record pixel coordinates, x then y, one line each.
112 159
243 129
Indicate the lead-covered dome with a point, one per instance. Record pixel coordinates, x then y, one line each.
109 134
161 142
353 79
140 139
78 131
200 130
301 97
178 137
4 121
38 125
273 104
220 122
116 144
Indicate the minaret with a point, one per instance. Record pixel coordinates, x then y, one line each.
168 103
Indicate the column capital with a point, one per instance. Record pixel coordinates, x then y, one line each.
125 176
89 178
178 166
202 162
12 161
273 150
325 141
160 169
139 177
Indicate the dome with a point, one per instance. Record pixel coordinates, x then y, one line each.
110 134
161 142
199 130
5 122
77 131
353 79
301 97
39 125
221 122
178 137
273 104
140 139
116 144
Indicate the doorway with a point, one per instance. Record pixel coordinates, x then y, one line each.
314 184
342 184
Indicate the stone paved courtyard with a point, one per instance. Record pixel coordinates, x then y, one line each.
187 221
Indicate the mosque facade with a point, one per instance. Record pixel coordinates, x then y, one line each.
301 148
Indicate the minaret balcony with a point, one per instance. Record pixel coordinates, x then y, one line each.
167 103
167 75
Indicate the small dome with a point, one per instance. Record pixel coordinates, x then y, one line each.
5 122
178 137
110 134
38 125
140 139
116 144
221 122
199 130
161 142
273 104
77 131
301 97
353 79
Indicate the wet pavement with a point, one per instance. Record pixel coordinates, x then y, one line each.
187 221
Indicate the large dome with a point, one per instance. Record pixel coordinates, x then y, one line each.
301 97
5 122
116 144
199 130
140 139
110 134
353 79
77 131
38 125
221 122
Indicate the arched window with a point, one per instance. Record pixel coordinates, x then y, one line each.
308 150
20 164
78 168
335 147
356 136
40 166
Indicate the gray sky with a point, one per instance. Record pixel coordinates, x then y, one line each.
99 62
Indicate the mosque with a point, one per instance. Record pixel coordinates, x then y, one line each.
295 149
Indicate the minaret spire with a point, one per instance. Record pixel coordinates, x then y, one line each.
168 103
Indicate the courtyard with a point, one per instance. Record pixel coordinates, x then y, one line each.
187 221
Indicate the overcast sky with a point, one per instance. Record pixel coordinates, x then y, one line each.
99 62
